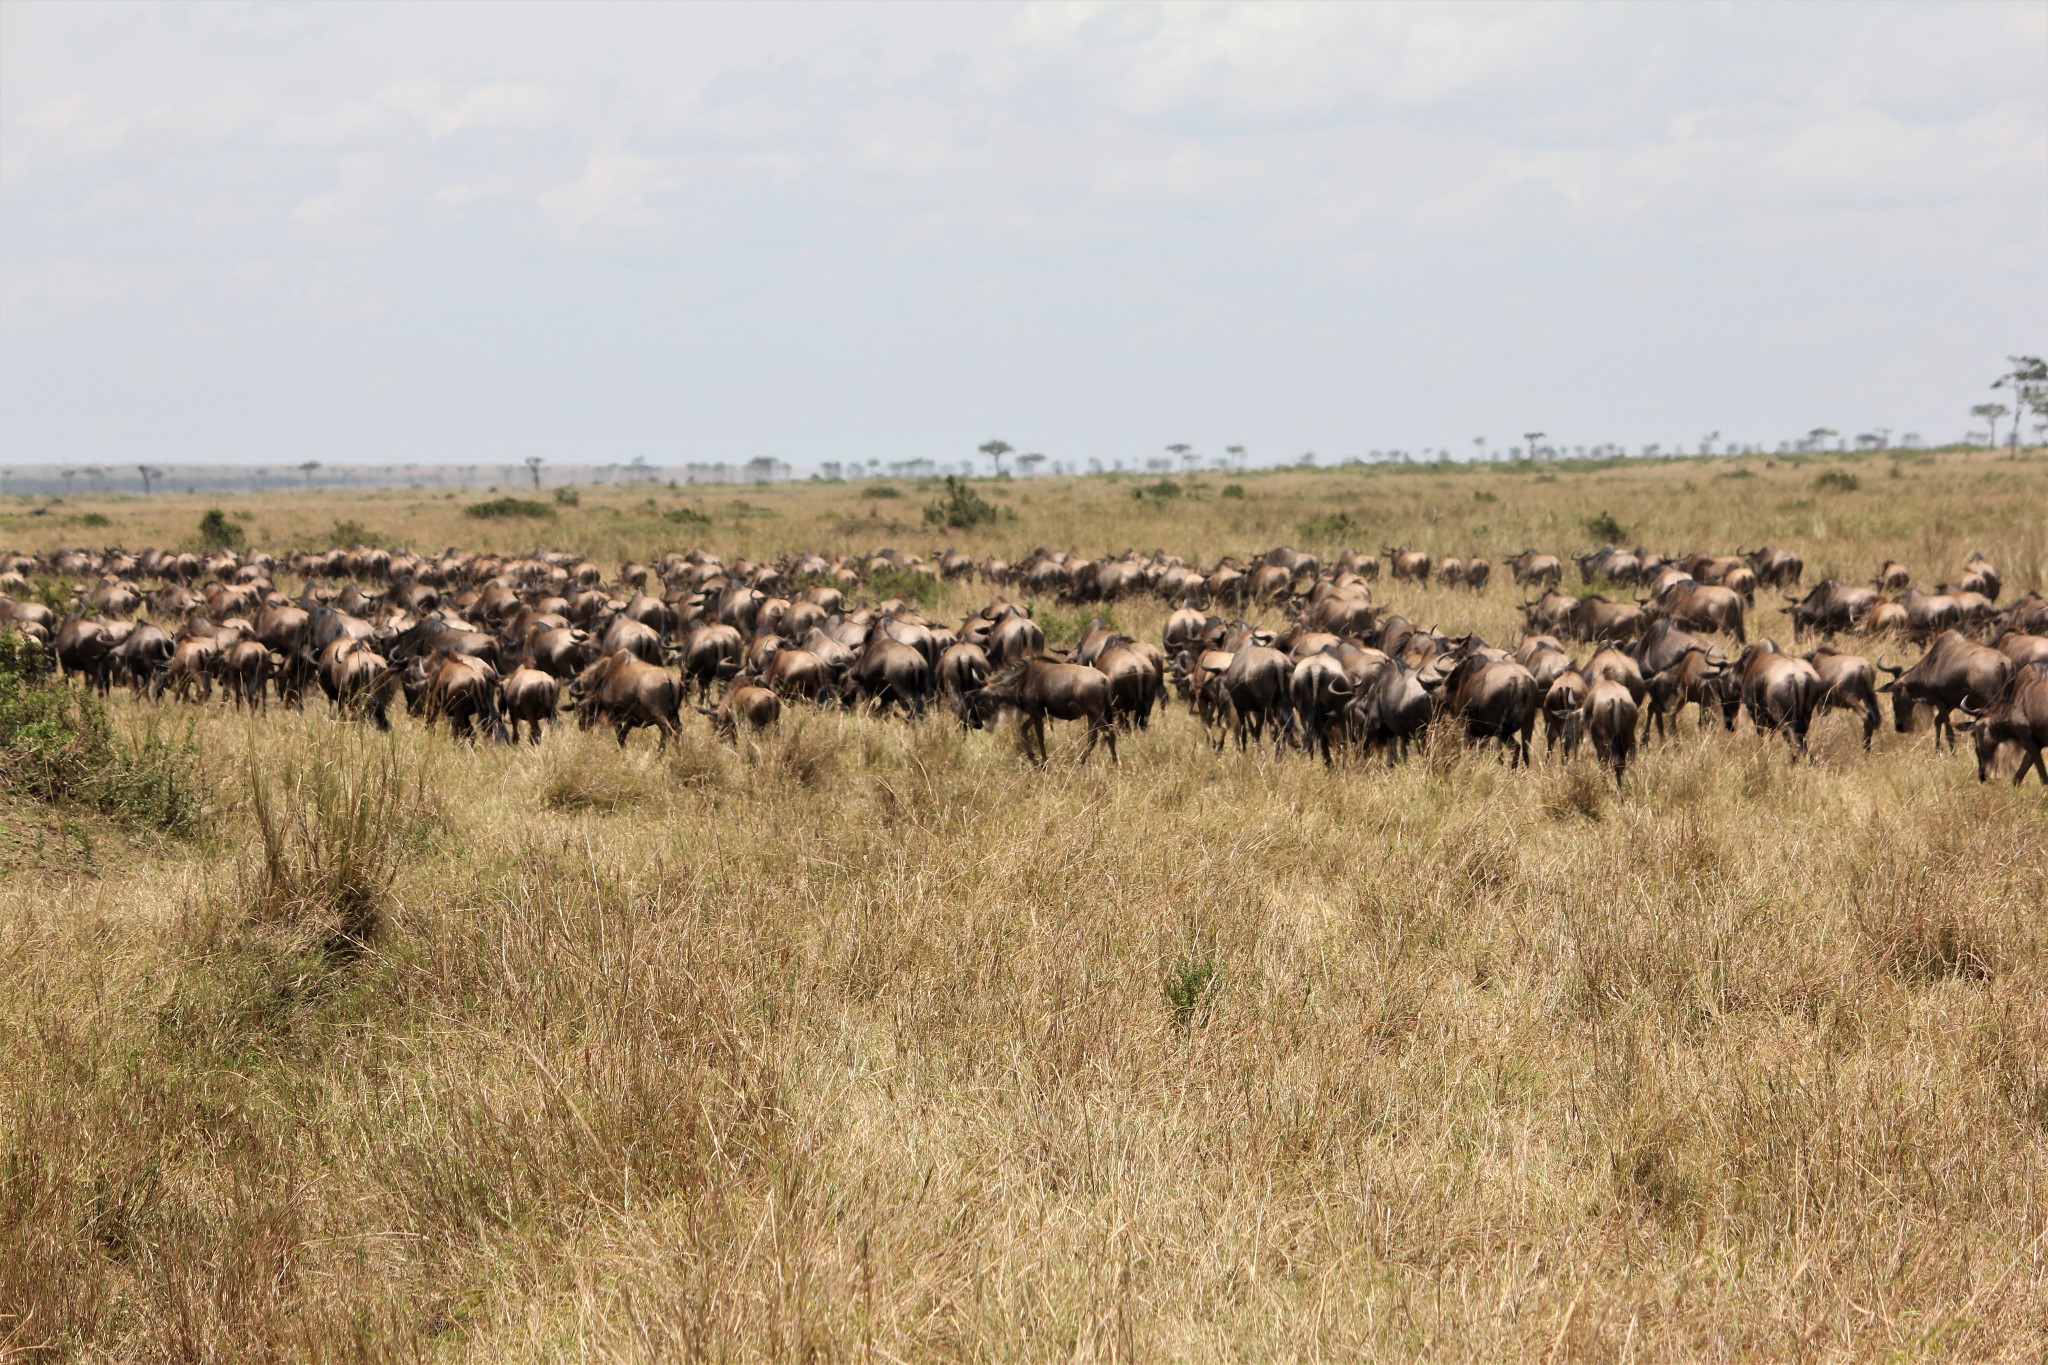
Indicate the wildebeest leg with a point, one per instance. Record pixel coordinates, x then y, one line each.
1035 729
623 729
1109 735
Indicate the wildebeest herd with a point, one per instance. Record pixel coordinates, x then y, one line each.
502 646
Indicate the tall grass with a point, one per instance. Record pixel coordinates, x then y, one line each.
868 1041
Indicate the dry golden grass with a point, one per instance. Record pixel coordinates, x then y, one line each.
868 1042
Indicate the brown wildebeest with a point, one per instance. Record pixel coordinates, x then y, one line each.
1596 618
1135 682
1779 568
1561 711
1610 663
1699 606
244 673
531 696
1531 567
1980 575
460 687
627 693
191 668
357 679
1412 565
798 673
1955 669
1318 691
2019 718
1848 683
712 654
2020 646
1892 576
1693 679
887 671
748 704
1780 692
963 668
1015 637
1496 699
1550 613
1254 691
1607 718
1036 688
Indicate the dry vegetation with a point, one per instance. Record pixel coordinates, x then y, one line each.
870 1042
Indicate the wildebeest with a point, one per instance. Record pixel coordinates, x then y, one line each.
1848 683
530 697
1532 567
1776 567
748 704
1892 576
1036 688
1779 691
1394 708
628 693
1495 699
2019 717
1135 681
1829 608
1699 606
888 672
1607 718
1955 669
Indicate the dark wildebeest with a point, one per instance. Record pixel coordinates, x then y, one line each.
1607 718
748 704
888 671
1693 678
1892 576
711 654
1829 608
2019 718
1394 708
141 656
1404 563
1954 670
1848 683
530 697
1596 618
1979 575
1036 688
627 693
1496 699
1699 606
1254 692
1776 567
461 687
1135 681
357 679
1561 711
1531 567
1318 691
1779 691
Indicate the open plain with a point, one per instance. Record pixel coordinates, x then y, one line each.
863 1038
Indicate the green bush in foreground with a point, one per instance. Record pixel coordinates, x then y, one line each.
58 747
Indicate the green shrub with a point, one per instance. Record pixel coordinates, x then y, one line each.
960 507
1605 528
918 588
94 519
1233 491
351 532
499 509
58 747
1838 481
568 497
1161 491
686 516
216 532
1331 527
1190 986
881 490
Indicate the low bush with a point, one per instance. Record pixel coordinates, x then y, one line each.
1838 481
1604 527
881 490
911 586
960 507
1233 491
686 516
500 509
57 746
216 532
568 497
1332 526
1162 491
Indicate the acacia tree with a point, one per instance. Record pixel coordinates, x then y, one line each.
1236 454
2028 380
995 450
1990 413
307 467
1031 462
533 464
148 472
1532 437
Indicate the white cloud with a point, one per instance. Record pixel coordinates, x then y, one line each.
610 197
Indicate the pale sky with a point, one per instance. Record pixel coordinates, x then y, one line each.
702 232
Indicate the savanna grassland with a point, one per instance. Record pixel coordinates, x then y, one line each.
867 1041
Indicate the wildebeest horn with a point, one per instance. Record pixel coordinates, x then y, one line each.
1895 672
